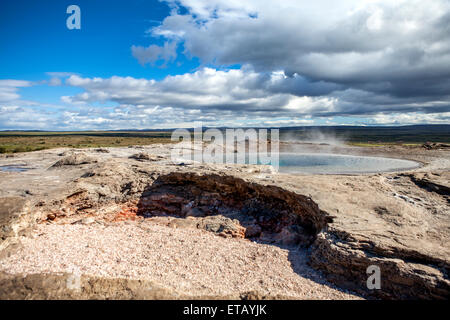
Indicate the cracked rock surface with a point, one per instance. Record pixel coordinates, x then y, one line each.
127 219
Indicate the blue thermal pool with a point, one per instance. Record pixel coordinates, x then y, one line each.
326 163
340 164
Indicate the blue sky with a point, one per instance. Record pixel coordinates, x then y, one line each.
162 64
38 40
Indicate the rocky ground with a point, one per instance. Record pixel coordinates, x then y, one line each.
131 223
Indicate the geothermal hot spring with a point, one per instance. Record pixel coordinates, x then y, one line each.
327 163
323 163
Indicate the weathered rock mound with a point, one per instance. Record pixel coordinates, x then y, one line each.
70 286
73 160
267 213
15 218
404 274
433 145
439 184
144 156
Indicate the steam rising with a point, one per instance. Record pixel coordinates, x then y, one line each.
314 136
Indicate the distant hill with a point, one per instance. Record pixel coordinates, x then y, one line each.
390 134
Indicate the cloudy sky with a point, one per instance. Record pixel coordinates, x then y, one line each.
139 64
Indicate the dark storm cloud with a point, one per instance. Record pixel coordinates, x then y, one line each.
400 48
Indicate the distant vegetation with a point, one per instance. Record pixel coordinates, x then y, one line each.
373 136
12 142
22 141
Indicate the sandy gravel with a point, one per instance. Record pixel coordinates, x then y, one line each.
191 261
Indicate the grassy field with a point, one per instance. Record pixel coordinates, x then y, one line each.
12 142
23 141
